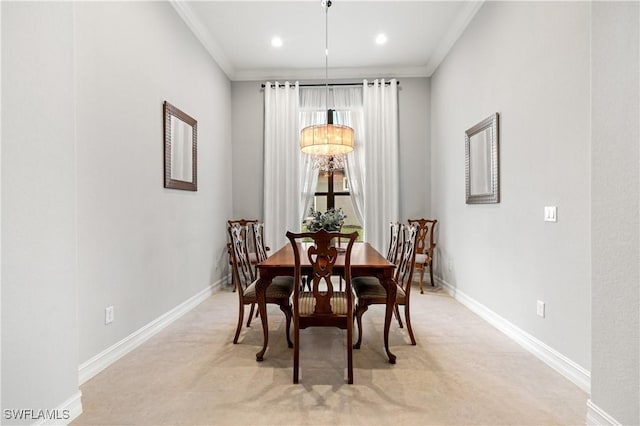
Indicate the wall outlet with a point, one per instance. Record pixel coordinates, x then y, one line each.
550 214
108 315
540 308
450 265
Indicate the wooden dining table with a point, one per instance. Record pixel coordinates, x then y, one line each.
365 261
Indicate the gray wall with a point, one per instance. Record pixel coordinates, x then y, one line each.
86 221
39 246
615 191
248 121
530 63
143 248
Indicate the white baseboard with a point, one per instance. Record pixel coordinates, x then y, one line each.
95 365
563 365
596 416
65 413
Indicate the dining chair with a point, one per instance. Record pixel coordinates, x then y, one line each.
395 229
425 247
322 305
369 291
245 223
258 241
243 276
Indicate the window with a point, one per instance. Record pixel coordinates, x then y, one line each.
333 191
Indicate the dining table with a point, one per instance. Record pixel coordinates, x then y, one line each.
365 261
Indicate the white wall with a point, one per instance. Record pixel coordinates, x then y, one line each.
414 152
86 222
528 61
248 122
615 190
39 247
248 149
142 248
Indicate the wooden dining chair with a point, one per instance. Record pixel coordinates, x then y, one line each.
369 290
393 251
425 247
395 228
243 277
246 224
323 305
247 229
258 241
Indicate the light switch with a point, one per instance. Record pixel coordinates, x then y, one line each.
550 214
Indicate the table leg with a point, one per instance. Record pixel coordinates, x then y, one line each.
261 296
391 288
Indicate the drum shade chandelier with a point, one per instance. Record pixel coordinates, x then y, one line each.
327 139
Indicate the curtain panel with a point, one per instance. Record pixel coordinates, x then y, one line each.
381 180
282 159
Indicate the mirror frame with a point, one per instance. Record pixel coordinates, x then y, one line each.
492 168
169 111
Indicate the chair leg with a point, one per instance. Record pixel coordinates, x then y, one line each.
396 312
240 319
350 352
359 311
253 305
287 314
421 278
407 319
433 284
296 350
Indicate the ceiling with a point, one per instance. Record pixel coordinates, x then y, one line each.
238 36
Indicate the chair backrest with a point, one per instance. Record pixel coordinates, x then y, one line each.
247 227
258 241
404 271
322 255
394 229
425 242
243 272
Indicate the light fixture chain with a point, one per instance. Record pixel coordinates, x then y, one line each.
326 55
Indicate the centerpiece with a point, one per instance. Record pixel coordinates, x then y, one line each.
331 220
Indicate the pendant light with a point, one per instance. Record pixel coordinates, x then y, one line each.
327 139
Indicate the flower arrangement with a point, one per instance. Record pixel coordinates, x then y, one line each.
331 220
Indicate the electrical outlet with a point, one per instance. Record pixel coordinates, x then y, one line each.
550 214
450 266
540 308
108 315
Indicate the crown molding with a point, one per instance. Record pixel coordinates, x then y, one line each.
204 36
450 37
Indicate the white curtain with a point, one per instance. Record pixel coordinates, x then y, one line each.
313 110
282 183
381 175
348 105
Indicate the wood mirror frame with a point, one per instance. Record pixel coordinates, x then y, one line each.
180 149
482 162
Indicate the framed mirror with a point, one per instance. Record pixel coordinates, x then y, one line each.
481 162
180 149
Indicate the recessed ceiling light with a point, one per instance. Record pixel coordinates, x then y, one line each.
276 42
381 39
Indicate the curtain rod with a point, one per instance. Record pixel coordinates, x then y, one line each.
333 84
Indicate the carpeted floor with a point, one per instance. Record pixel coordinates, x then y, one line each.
462 371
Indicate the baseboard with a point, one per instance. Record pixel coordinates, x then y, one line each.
95 365
65 413
596 416
554 359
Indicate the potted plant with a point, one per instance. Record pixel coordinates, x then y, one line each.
331 220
